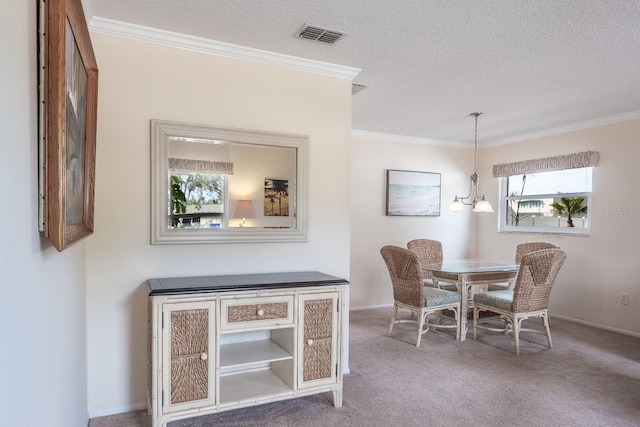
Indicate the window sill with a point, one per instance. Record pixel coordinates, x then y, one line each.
582 232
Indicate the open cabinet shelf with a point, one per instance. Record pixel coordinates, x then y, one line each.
252 386
247 355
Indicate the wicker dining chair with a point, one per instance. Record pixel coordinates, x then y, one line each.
410 293
529 297
527 247
430 252
521 250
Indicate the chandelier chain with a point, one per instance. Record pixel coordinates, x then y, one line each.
475 150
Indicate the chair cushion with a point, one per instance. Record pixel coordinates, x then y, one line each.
435 297
502 300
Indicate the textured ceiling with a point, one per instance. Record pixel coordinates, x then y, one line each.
529 66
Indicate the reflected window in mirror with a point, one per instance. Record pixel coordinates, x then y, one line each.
198 170
196 200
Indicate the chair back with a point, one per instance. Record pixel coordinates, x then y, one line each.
538 271
406 275
428 251
524 248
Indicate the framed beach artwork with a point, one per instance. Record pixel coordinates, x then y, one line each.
276 197
412 193
68 90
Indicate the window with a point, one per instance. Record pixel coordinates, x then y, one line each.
551 195
556 201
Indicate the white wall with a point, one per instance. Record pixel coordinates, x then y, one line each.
42 322
598 267
140 81
371 229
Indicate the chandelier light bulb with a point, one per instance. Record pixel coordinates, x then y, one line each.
456 205
483 206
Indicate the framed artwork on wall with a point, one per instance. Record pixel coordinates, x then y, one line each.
68 90
413 193
276 197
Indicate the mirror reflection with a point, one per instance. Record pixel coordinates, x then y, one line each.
213 185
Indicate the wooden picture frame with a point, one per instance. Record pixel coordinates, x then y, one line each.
413 193
68 115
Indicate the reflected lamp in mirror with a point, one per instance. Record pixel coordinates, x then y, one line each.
244 210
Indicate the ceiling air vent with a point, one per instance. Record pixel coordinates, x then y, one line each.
355 88
319 34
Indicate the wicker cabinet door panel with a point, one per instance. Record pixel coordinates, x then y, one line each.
189 331
318 345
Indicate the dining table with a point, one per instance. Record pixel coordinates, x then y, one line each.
471 276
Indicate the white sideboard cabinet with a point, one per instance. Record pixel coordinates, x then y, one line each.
218 343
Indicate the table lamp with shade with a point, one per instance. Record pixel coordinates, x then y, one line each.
244 210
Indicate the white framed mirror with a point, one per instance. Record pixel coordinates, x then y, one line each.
222 185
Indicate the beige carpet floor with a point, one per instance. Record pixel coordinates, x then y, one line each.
590 378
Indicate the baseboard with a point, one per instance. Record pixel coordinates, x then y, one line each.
371 307
595 325
117 410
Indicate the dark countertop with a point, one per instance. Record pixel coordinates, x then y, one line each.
241 282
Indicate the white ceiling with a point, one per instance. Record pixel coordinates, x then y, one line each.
532 67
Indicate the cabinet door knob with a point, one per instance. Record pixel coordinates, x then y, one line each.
309 342
204 356
260 312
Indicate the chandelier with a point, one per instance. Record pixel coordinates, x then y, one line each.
478 203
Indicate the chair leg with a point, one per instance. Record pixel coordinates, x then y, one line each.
545 319
420 326
475 321
458 314
515 324
393 318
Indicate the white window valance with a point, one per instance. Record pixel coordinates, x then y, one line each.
200 166
568 161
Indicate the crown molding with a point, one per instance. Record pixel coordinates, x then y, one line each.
197 44
409 139
603 121
618 118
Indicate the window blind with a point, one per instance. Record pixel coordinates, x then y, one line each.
200 166
568 161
